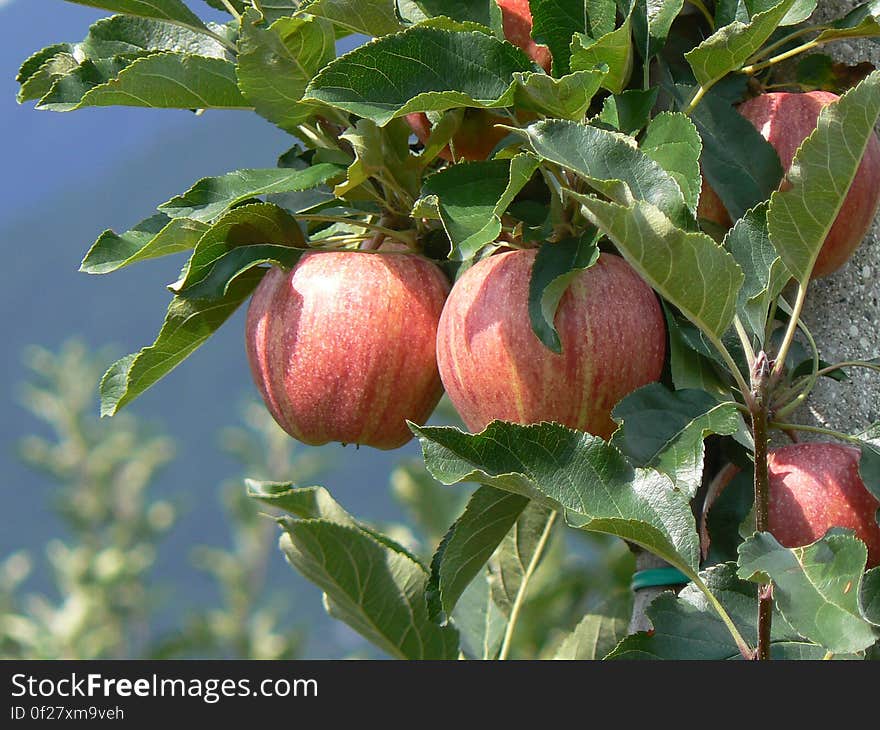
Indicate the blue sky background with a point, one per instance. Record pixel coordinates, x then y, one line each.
69 176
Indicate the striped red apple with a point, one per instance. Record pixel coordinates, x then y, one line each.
493 366
342 348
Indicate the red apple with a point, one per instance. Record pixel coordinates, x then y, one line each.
342 348
475 138
493 365
516 18
816 486
785 120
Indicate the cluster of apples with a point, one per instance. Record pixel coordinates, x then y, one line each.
350 345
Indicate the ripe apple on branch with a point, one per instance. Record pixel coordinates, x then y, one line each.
785 120
817 486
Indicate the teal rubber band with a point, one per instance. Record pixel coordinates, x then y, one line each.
655 577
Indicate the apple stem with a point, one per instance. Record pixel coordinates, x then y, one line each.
232 11
745 340
755 68
797 391
793 324
761 376
802 392
698 97
527 576
816 429
782 42
312 135
771 321
402 236
733 368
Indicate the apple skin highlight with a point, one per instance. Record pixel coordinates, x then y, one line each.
493 366
342 348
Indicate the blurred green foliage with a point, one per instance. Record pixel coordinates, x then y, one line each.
104 600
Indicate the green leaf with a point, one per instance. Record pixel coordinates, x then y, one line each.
519 554
239 5
467 194
421 69
160 80
275 65
43 69
243 238
652 20
383 153
668 258
608 161
869 464
119 35
613 49
154 237
370 17
218 274
308 503
665 430
740 165
556 265
820 176
31 65
314 503
672 141
817 71
630 111
125 35
799 12
688 627
726 11
212 196
473 196
556 21
688 368
566 98
174 11
731 46
815 587
483 12
272 10
861 22
869 596
765 274
468 545
480 622
187 325
599 631
573 472
377 591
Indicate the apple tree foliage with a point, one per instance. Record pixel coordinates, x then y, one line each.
609 149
